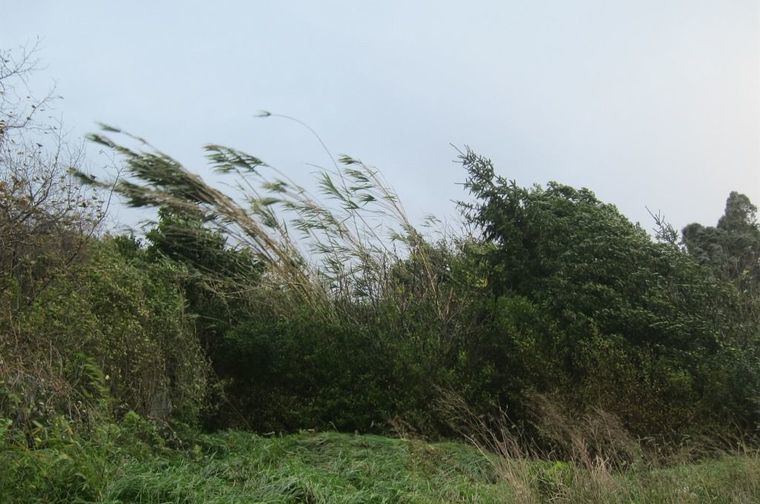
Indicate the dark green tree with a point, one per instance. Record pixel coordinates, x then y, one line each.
636 325
732 248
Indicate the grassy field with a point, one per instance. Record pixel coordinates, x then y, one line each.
329 467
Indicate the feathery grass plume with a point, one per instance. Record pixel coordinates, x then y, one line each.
321 251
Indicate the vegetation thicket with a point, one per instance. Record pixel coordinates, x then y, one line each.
549 324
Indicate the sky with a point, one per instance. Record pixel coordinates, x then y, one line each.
651 104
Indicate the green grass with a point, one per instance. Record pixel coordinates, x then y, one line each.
328 467
313 468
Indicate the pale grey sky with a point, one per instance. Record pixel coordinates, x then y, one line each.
648 103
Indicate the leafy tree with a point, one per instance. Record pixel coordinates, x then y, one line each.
732 248
628 321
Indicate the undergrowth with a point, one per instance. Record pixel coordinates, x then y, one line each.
136 461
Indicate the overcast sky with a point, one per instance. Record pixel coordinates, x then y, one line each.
649 103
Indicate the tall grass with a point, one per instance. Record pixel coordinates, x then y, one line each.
590 457
136 462
328 250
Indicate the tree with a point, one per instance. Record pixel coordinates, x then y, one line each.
45 215
732 248
630 321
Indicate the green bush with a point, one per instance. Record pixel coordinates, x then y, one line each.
223 315
110 335
634 326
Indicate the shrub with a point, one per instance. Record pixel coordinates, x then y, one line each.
112 335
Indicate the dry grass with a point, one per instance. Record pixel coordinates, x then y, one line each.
590 457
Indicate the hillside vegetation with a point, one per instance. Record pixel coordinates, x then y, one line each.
548 329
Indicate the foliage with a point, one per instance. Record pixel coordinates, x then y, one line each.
317 251
131 462
611 317
254 303
45 216
560 293
732 248
110 336
263 306
341 328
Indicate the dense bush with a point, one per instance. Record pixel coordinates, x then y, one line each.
89 325
223 315
555 292
612 318
108 336
263 307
